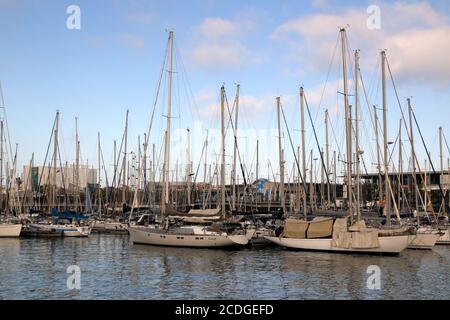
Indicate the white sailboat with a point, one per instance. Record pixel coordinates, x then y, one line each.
10 230
445 238
63 230
425 238
341 235
190 235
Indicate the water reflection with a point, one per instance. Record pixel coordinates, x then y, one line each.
112 268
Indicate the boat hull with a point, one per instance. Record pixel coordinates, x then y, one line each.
77 232
445 238
144 235
44 230
388 245
10 230
110 227
424 241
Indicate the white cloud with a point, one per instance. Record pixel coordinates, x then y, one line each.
416 36
220 44
140 18
132 40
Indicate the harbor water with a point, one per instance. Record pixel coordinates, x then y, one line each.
112 268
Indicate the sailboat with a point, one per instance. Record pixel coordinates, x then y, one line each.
186 234
59 227
10 230
342 234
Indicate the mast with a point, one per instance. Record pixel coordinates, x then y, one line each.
257 160
327 156
348 125
165 176
385 139
55 154
302 129
1 164
413 154
441 177
77 166
400 166
188 167
235 147
311 184
380 190
280 154
357 151
335 179
222 168
98 178
125 182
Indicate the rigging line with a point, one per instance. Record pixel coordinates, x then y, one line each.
46 155
330 65
235 141
62 177
317 142
429 157
406 125
293 151
446 144
198 166
104 166
149 130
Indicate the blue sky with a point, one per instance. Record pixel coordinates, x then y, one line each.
270 47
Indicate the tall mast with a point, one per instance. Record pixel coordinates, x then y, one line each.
400 165
280 154
311 183
441 176
302 129
413 153
166 166
235 146
257 159
380 188
327 157
77 166
138 178
335 179
357 151
385 139
125 182
1 161
222 168
188 167
348 125
98 178
55 155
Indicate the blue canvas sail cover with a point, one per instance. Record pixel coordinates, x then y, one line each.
263 186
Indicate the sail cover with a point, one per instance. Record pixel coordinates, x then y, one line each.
320 228
295 228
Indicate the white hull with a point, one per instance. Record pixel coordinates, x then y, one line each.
146 235
110 227
64 230
77 232
445 238
423 240
10 230
391 245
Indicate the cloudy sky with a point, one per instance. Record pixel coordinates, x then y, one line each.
112 63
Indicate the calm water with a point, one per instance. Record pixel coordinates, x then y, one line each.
112 268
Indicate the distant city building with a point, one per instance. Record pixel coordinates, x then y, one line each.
65 177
